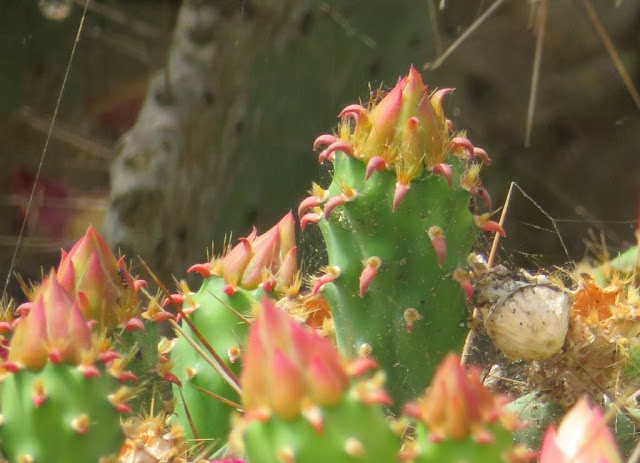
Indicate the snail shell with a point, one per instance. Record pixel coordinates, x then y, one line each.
530 323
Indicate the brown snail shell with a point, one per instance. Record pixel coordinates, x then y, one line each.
531 322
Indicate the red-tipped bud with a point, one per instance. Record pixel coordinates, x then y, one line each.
375 164
370 270
582 437
457 405
284 363
437 241
176 299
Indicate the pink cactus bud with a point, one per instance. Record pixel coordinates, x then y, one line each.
436 236
444 170
400 192
375 164
370 270
54 329
284 363
458 406
384 117
90 267
582 437
39 395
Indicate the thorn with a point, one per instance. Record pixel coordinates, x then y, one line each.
332 203
443 169
482 155
438 242
202 269
39 394
89 371
488 225
411 316
324 140
163 316
361 365
11 367
134 324
331 274
127 376
55 355
482 193
80 424
309 202
462 142
400 192
463 280
122 408
328 152
109 356
377 164
139 284
172 379
173 299
353 111
311 217
370 270
229 290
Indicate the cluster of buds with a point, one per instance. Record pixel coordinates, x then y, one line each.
268 260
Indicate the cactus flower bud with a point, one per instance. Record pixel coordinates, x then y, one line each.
286 364
582 437
250 262
92 269
54 328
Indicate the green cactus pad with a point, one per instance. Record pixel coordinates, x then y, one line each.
55 430
351 432
409 277
223 330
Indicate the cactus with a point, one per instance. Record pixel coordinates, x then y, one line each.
257 265
397 225
257 375
57 403
300 404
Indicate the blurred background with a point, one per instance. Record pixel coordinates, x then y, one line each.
181 122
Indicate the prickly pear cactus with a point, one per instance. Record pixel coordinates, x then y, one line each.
61 399
397 225
300 402
233 283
